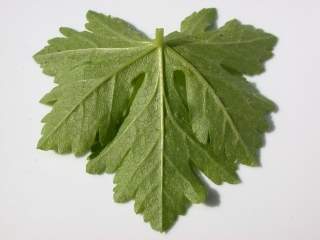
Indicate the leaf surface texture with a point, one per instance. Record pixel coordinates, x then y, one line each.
158 112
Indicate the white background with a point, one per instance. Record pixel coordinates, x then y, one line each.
45 196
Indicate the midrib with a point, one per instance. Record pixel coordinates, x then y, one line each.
161 113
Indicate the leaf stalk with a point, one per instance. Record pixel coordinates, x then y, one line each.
159 40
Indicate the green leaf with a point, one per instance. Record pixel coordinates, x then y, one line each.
158 112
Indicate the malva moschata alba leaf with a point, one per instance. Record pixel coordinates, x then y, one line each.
157 112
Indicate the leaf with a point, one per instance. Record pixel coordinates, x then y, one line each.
158 112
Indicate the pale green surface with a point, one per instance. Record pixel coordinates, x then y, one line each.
155 112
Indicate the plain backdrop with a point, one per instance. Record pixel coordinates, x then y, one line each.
45 196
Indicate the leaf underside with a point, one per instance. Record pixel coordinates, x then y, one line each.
158 112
